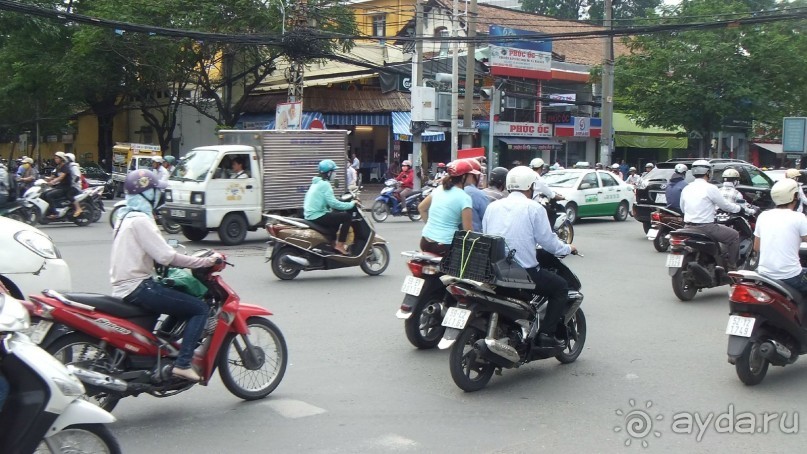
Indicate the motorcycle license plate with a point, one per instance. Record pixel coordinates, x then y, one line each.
39 331
675 260
412 285
740 326
456 317
661 198
652 234
178 213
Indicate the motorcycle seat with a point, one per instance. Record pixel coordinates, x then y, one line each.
314 226
697 234
109 304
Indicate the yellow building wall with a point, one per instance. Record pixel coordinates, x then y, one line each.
86 145
398 13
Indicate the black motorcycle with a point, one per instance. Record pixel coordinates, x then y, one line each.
696 260
425 301
497 317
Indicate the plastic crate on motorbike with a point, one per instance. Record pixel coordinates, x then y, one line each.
472 256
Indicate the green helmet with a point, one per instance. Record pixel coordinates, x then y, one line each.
170 159
326 165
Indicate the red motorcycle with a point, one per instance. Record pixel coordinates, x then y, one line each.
116 351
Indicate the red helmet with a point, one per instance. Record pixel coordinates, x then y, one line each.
441 165
460 167
475 164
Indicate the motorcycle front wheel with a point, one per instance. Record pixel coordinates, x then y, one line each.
575 338
683 287
424 327
377 260
566 233
95 438
468 371
379 211
252 366
84 351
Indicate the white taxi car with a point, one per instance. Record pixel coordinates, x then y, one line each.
29 261
591 193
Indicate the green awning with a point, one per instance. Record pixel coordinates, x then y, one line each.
628 134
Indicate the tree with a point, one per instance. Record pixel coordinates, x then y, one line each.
623 10
591 9
559 9
700 79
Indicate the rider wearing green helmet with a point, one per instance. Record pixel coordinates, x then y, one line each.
323 208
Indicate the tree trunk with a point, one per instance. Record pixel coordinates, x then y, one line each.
105 111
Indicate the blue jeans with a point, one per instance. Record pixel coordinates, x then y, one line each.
158 298
798 282
4 388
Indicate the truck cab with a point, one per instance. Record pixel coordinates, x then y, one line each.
127 157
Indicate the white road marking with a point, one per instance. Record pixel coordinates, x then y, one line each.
293 409
393 442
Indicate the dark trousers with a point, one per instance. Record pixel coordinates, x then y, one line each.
434 247
336 221
798 282
160 299
4 389
556 289
722 234
54 196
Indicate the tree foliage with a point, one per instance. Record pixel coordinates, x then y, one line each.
591 9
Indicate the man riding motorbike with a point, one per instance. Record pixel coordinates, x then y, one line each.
795 175
321 206
62 181
136 247
445 208
407 180
731 178
778 235
537 165
75 183
675 186
523 224
699 201
478 198
495 189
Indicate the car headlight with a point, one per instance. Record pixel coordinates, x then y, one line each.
69 386
198 198
168 196
38 243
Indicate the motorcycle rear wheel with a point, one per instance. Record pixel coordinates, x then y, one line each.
683 288
576 338
170 227
85 218
467 371
424 327
246 377
84 351
283 272
18 216
81 438
751 367
379 211
96 213
660 242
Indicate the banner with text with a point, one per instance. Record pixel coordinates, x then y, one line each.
507 128
530 64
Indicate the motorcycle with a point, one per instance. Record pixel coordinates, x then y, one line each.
425 301
64 208
170 227
766 324
662 222
119 350
300 245
386 204
36 205
44 411
497 316
556 213
16 210
696 260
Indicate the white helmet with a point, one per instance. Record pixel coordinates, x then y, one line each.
649 165
783 191
632 169
615 166
536 163
792 173
61 155
681 168
701 167
520 178
70 157
157 159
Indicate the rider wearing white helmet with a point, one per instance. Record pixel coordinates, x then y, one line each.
523 224
647 168
778 235
615 170
795 174
731 178
537 165
699 202
75 182
675 186
633 177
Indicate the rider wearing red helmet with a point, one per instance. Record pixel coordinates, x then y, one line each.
407 180
445 208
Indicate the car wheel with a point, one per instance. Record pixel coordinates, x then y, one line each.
571 212
233 229
621 212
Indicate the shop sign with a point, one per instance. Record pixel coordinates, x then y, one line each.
530 64
558 117
507 128
582 127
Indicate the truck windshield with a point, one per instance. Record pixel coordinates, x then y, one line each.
194 166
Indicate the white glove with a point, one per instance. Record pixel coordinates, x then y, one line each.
749 210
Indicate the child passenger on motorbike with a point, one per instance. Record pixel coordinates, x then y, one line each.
136 247
446 208
322 207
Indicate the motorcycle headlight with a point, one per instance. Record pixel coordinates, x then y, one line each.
69 386
38 243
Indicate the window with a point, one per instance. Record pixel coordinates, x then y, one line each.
758 179
380 25
589 181
608 180
234 166
442 32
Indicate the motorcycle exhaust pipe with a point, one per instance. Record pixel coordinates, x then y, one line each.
776 353
497 352
98 379
294 261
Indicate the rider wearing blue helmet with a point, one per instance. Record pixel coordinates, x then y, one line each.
322 207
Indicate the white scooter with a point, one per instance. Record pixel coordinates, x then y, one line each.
64 208
36 205
44 411
169 227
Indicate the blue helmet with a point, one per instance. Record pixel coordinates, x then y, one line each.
326 165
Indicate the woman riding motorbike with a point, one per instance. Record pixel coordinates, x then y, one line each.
322 207
137 245
446 208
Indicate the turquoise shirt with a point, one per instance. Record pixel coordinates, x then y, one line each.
445 214
319 200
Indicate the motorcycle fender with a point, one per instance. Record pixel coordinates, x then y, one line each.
560 221
672 271
377 239
736 346
449 337
80 412
245 311
57 331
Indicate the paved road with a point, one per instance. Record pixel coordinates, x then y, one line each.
355 385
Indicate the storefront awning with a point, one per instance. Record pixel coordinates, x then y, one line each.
629 134
332 119
267 121
531 144
772 147
401 131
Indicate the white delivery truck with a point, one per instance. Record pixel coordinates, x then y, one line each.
228 187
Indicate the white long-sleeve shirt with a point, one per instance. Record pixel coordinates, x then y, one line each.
539 187
698 201
523 225
136 247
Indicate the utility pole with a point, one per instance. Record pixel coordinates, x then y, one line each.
417 76
455 81
470 68
296 70
607 112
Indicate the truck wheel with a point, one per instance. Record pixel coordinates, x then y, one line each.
194 234
233 229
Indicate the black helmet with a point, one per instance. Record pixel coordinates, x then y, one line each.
498 176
